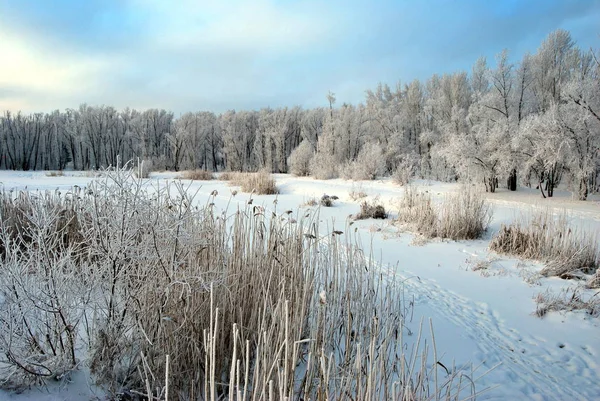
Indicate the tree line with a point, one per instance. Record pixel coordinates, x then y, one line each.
536 121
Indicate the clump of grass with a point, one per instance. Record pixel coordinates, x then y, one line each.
327 200
260 183
228 175
594 281
460 216
464 215
568 300
196 175
566 251
311 202
371 210
57 173
357 192
417 212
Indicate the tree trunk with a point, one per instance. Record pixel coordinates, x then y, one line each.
583 189
512 180
491 184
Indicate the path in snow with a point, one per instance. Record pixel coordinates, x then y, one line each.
536 369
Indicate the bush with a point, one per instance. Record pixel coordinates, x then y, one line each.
371 210
236 305
196 175
369 164
406 170
567 252
300 158
323 166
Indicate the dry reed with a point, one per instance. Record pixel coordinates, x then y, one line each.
567 252
173 300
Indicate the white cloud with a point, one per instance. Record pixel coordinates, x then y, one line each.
238 25
33 69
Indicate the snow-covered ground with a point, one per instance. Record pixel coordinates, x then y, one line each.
484 317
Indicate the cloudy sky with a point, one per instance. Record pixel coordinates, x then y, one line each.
187 55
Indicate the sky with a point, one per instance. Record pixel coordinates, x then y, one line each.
217 55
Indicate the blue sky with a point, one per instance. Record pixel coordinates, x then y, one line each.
217 55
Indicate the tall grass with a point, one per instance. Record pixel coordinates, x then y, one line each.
260 183
463 215
164 298
196 175
567 251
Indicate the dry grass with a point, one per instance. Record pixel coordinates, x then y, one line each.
238 307
566 251
568 300
57 173
196 175
311 202
371 210
357 192
403 174
460 216
417 212
327 200
464 215
260 183
594 281
227 175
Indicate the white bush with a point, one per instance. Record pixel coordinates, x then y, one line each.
369 164
323 166
300 158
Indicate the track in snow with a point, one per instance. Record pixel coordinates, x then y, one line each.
530 367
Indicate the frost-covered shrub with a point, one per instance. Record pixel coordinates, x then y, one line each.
406 170
300 159
369 164
323 166
43 290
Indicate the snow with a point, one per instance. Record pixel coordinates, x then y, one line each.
484 317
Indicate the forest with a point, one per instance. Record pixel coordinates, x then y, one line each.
535 122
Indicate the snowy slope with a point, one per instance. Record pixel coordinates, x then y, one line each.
480 318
